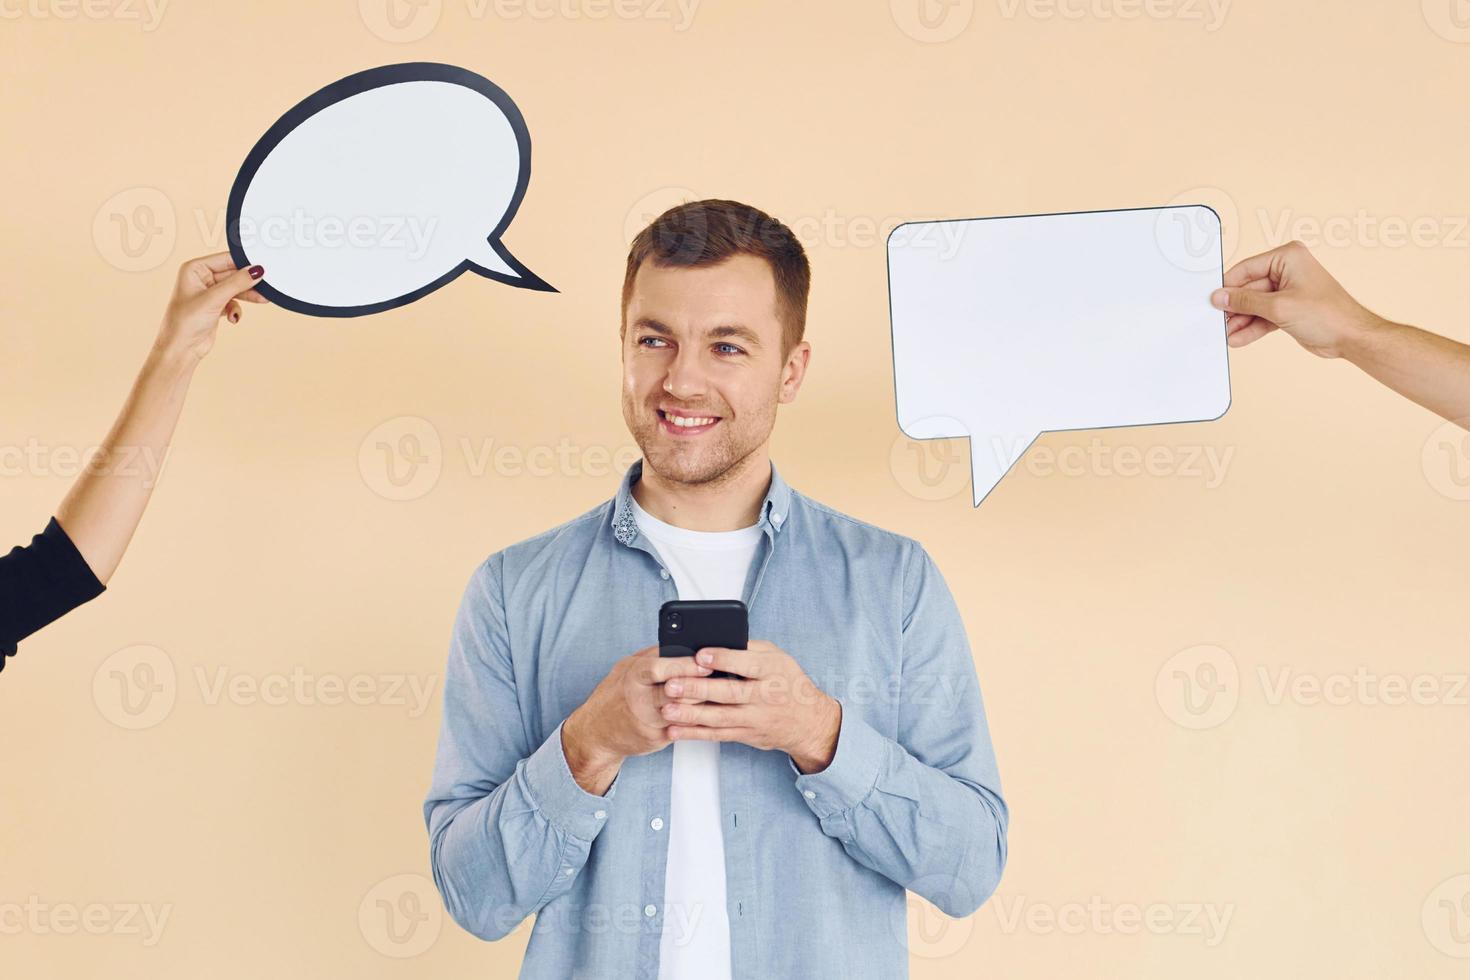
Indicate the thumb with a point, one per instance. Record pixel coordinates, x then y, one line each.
237 282
1251 302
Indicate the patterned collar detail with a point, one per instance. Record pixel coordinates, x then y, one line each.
775 509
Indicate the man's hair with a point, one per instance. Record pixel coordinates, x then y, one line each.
703 233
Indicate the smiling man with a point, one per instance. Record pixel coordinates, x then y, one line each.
665 824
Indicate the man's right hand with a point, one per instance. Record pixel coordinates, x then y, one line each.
622 716
1287 288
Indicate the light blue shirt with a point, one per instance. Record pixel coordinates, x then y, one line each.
816 865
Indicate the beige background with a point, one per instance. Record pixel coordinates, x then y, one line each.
1148 644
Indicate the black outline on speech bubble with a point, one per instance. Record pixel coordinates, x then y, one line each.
366 81
969 437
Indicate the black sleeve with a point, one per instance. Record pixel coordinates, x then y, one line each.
41 583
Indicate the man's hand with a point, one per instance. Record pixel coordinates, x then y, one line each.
621 717
771 705
1287 288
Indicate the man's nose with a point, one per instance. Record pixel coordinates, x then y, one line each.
685 379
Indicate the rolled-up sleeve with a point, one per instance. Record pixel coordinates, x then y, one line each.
509 827
923 808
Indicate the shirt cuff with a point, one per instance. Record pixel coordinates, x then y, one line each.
853 772
553 790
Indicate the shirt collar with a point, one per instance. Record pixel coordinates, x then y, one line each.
775 509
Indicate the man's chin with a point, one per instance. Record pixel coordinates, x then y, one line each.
677 466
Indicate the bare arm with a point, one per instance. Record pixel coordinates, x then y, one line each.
106 502
1288 289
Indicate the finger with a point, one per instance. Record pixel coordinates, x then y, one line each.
725 690
219 262
233 285
742 662
660 669
712 715
231 312
1254 302
700 733
1250 334
1255 267
252 296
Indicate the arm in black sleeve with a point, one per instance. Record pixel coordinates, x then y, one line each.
41 583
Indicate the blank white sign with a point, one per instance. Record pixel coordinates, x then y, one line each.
1004 328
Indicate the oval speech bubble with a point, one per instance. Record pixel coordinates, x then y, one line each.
382 187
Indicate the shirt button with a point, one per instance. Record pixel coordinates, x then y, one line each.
809 794
650 911
657 823
600 814
663 573
567 872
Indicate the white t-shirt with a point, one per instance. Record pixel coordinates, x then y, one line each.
695 944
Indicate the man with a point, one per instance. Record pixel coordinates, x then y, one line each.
1287 289
848 761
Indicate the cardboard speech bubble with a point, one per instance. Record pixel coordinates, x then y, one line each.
1005 328
382 187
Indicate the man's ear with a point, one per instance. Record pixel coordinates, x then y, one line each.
794 372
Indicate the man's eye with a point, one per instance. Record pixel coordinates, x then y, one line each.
651 341
727 349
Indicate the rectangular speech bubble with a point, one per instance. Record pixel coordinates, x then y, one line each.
1005 328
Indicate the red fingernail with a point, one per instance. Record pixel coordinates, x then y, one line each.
256 271
234 318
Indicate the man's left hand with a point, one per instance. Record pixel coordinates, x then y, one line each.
771 705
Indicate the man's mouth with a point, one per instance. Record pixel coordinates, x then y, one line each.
685 424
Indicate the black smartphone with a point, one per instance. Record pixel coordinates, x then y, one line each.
686 626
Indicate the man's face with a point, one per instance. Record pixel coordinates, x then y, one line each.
703 366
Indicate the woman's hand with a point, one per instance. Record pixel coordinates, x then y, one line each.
207 288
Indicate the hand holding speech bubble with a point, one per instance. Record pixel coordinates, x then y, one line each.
382 187
1005 328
